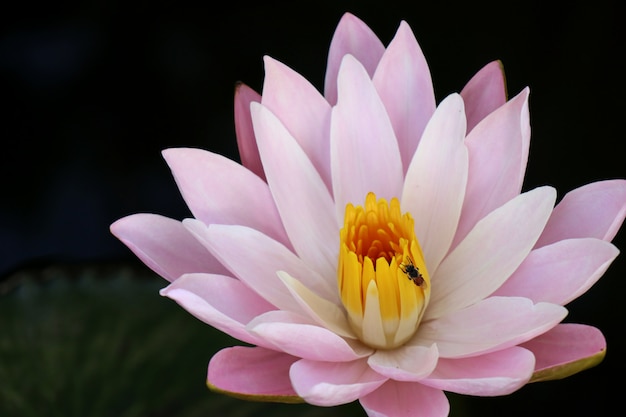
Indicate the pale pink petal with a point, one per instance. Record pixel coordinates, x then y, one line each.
490 253
255 259
165 246
306 208
436 180
302 110
406 399
560 272
333 383
327 312
405 363
364 152
218 190
593 210
246 142
403 81
566 349
222 302
497 373
353 37
492 324
300 336
252 373
498 152
484 93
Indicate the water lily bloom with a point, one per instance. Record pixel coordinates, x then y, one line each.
377 246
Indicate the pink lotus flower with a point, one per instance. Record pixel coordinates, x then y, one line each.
377 247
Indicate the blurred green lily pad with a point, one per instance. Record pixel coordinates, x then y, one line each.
98 340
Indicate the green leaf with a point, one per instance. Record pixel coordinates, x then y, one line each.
568 369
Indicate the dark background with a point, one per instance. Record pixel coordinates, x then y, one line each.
92 93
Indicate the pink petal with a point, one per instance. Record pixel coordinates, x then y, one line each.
490 253
301 337
327 312
302 110
353 37
306 208
222 302
406 363
406 399
403 82
492 324
364 151
218 190
498 152
484 93
496 373
436 179
565 350
252 373
560 272
165 246
255 259
246 141
593 210
333 383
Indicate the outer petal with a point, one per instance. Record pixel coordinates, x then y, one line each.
299 336
484 93
223 302
406 363
252 373
593 210
560 272
565 350
496 373
218 190
490 253
165 246
246 141
304 203
436 180
498 153
364 151
255 259
302 110
353 37
492 324
333 383
406 399
403 82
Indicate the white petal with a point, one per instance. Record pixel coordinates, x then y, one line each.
403 82
254 258
435 182
406 363
490 253
306 208
492 324
497 373
364 152
300 336
303 111
333 383
560 272
323 311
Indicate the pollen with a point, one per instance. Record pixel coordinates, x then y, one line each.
381 274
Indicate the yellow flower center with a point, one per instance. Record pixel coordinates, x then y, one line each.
382 276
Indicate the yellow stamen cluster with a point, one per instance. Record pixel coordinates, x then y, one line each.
382 276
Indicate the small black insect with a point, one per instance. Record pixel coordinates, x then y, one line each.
412 272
